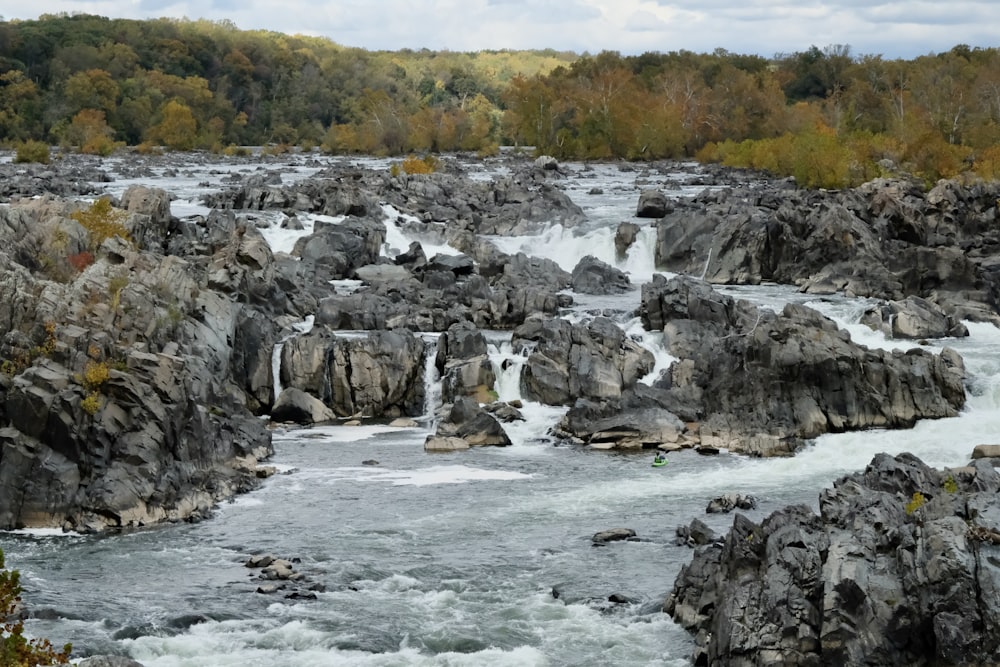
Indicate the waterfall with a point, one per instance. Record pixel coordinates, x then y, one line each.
432 380
305 326
652 341
704 271
507 367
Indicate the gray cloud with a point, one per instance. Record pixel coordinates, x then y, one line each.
894 28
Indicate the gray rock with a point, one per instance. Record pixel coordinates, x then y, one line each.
108 661
592 276
295 405
986 452
468 422
572 361
652 204
913 318
625 237
730 501
887 574
613 535
765 382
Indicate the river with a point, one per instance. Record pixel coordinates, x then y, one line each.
480 557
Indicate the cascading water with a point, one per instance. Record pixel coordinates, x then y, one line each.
432 381
507 367
299 328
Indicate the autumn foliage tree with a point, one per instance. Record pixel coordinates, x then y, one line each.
177 128
16 650
90 132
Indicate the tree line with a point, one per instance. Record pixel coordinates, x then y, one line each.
826 116
95 83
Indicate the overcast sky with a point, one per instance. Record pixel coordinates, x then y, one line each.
895 29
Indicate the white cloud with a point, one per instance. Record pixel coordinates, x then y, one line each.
894 28
643 21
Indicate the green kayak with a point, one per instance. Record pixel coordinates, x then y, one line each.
659 463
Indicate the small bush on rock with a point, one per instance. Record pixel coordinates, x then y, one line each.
15 649
102 221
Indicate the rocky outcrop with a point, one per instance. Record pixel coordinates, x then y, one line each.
521 203
592 276
466 424
897 569
652 204
379 374
118 402
463 364
571 361
762 382
913 318
885 239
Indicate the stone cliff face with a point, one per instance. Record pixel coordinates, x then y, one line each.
886 239
899 568
123 400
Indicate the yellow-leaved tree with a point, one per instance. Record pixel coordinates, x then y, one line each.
177 129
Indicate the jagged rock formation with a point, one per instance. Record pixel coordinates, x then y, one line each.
886 239
899 568
765 382
122 396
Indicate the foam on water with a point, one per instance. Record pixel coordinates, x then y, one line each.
334 434
454 474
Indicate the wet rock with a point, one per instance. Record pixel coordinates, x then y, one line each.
465 420
730 501
578 361
913 318
613 535
295 405
108 661
625 237
697 533
986 452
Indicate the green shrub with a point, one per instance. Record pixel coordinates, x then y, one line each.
102 221
15 649
918 501
92 403
32 151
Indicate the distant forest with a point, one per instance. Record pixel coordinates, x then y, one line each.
824 115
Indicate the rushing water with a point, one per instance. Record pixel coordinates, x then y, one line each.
481 557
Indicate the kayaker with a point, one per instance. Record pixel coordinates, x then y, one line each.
660 458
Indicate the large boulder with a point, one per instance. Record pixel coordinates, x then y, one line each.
466 422
295 405
652 204
336 250
463 364
592 276
151 222
913 318
571 361
380 374
889 573
128 401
